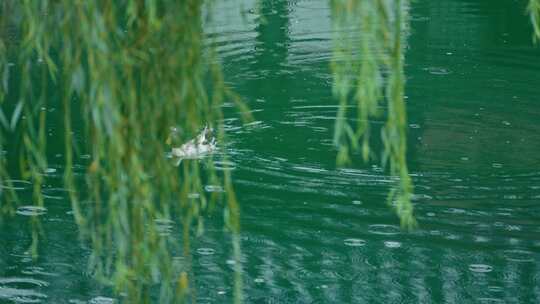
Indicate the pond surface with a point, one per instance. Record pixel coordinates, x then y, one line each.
315 233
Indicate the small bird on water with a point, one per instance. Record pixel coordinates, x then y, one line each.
202 145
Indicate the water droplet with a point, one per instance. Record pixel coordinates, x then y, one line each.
481 239
453 237
206 251
357 202
506 123
419 196
512 228
438 71
55 193
480 268
497 165
31 210
102 300
354 242
35 270
392 244
517 255
15 185
259 280
50 170
456 211
224 165
383 229
213 188
490 300
511 197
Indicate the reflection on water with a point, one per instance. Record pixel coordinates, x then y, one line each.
313 233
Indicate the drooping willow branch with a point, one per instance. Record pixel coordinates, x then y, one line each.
368 75
534 12
122 74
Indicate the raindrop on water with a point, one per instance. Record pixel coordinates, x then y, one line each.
383 229
213 188
15 185
438 71
354 242
101 300
392 244
206 251
50 170
22 290
517 255
480 268
31 210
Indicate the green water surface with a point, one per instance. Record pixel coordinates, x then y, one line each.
316 233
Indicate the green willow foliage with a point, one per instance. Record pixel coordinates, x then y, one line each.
534 12
130 70
368 73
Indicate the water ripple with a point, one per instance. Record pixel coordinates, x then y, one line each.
383 229
31 210
354 242
15 184
22 290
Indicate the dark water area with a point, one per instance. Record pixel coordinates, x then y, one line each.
316 233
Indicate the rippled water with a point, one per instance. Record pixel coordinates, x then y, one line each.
314 233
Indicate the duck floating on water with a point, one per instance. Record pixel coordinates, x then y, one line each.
197 147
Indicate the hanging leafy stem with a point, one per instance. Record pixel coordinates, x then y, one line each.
367 67
534 12
129 71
